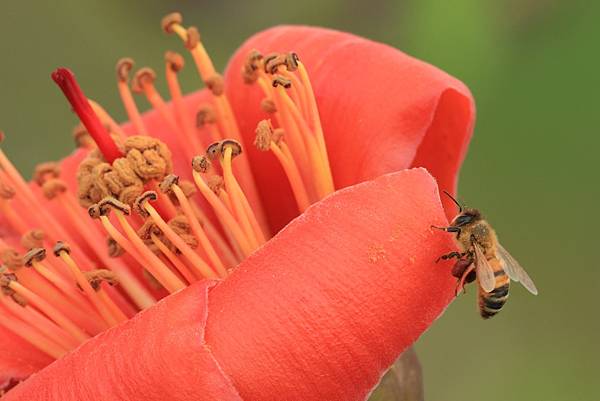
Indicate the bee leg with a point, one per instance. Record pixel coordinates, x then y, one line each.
450 255
460 285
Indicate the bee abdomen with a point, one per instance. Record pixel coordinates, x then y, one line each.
491 303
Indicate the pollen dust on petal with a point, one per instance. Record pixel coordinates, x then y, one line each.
376 253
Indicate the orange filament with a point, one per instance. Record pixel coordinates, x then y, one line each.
36 319
33 336
52 312
144 82
296 112
223 110
123 68
226 218
198 231
190 142
155 266
105 306
240 203
192 256
129 282
293 175
179 265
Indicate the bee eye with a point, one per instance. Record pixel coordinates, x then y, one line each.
463 219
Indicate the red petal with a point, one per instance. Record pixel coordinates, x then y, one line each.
318 313
158 355
381 110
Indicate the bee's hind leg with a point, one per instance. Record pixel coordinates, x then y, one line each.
468 276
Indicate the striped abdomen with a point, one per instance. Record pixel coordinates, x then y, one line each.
491 303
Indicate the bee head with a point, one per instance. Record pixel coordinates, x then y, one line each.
465 217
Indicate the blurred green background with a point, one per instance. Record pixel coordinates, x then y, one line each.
533 68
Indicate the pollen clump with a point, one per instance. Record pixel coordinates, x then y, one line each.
33 239
145 159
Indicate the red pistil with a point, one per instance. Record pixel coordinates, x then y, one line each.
65 79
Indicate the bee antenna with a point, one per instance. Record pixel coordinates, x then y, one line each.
460 208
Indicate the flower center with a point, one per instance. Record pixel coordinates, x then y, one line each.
160 238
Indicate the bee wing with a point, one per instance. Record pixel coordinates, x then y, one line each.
515 271
485 273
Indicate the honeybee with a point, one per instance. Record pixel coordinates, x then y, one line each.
485 260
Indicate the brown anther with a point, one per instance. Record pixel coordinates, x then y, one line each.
254 58
107 204
181 226
201 164
144 76
123 68
216 183
236 147
139 203
277 135
251 66
82 137
215 84
45 171
11 258
281 81
205 115
147 229
53 187
98 276
114 249
61 247
94 211
267 60
174 60
273 63
33 239
5 280
268 106
291 61
264 133
193 38
167 183
6 191
188 188
168 20
34 255
214 150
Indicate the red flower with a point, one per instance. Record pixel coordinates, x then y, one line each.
322 309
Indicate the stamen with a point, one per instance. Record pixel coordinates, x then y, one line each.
179 265
62 251
156 267
227 220
39 302
143 82
65 79
229 149
145 209
123 68
170 184
264 141
45 171
172 24
32 336
189 140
